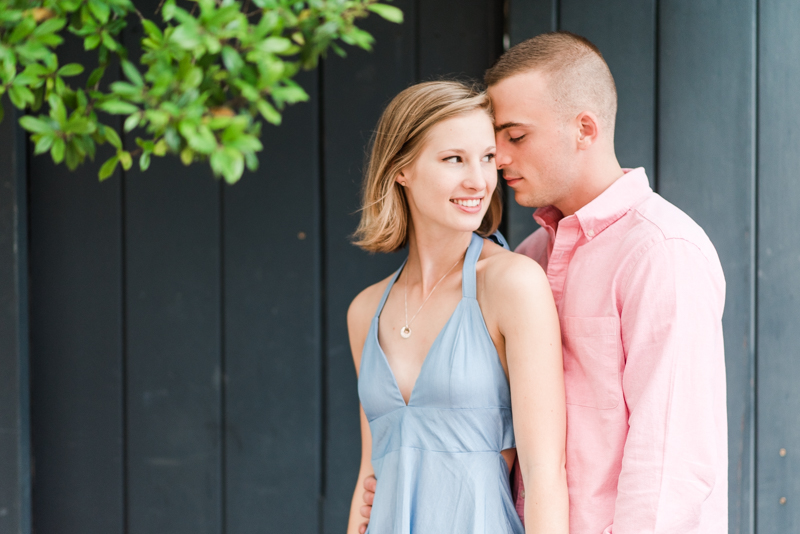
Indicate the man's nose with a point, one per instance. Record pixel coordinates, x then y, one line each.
501 157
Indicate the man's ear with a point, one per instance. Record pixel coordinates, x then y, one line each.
588 129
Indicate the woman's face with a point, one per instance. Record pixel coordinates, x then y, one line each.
450 183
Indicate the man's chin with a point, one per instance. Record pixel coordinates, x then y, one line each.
526 200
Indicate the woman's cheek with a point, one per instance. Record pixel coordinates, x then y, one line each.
491 179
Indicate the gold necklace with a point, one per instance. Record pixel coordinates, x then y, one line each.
405 332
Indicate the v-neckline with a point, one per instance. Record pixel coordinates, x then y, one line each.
427 355
475 241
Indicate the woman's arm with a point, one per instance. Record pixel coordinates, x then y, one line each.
529 324
358 320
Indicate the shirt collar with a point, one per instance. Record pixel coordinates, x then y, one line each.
606 208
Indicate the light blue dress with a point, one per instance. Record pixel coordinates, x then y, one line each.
437 459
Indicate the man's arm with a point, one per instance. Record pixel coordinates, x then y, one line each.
675 454
370 483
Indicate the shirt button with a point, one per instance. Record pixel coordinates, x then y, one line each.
522 494
590 233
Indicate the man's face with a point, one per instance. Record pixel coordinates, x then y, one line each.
535 145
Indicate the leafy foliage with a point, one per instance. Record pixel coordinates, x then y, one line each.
206 73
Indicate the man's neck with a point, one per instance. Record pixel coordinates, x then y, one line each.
598 177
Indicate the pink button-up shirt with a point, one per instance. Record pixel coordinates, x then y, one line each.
640 292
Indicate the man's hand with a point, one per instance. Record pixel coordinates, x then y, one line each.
369 496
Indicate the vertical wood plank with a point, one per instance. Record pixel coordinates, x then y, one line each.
173 349
272 331
625 33
458 38
356 89
15 459
707 168
778 268
76 342
173 343
526 19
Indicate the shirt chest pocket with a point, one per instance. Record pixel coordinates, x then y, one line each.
592 351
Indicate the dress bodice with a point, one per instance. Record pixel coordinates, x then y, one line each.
437 460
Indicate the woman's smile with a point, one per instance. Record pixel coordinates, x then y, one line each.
469 205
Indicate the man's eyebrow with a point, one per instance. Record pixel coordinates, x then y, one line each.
507 125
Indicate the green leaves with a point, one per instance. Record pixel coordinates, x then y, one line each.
43 144
390 13
34 125
132 73
269 113
275 45
112 137
232 60
108 168
20 96
92 41
117 107
228 163
73 69
207 79
50 26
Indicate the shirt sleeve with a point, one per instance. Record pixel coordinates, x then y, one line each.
535 247
674 386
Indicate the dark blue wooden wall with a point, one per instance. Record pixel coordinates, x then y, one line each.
15 457
189 364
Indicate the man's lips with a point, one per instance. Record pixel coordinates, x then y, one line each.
511 180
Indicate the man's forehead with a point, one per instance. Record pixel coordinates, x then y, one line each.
515 98
522 86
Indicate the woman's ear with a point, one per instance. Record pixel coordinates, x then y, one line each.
401 178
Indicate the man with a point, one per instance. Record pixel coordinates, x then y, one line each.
640 294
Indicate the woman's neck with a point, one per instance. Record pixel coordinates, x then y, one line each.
431 254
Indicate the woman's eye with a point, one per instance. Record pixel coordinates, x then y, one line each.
453 159
488 157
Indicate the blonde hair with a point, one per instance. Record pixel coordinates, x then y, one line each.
578 76
396 142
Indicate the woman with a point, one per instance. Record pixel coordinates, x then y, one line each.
463 331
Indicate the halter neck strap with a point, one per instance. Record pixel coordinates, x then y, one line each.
468 283
467 273
389 288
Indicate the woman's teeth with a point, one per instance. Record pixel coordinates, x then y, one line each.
471 203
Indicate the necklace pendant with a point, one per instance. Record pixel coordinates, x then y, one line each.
405 332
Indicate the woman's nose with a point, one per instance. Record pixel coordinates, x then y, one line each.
475 178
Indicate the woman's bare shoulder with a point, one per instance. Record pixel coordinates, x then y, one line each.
506 273
360 314
363 307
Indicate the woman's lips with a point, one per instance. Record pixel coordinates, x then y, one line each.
473 205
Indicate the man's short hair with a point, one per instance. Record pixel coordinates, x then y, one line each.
578 76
